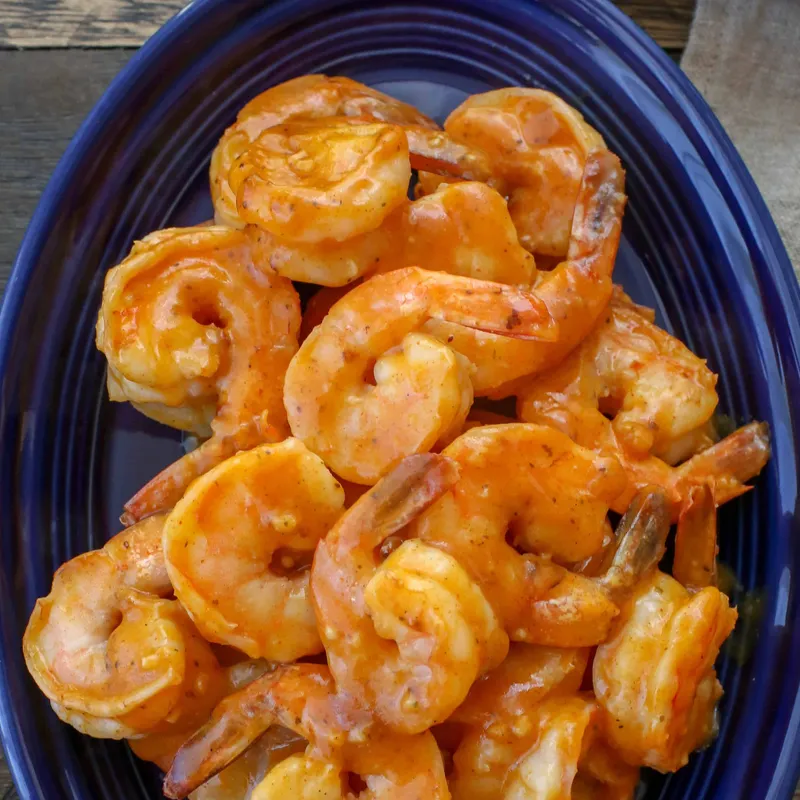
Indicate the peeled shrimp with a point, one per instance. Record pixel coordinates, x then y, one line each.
602 774
309 181
311 97
302 698
526 733
531 756
654 677
115 658
198 334
406 637
463 229
658 392
536 147
239 543
575 293
533 483
421 392
531 486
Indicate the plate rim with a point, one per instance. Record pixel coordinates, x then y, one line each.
698 118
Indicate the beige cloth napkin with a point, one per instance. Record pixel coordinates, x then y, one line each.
744 56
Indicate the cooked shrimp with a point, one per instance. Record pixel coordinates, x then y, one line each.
406 637
655 676
575 293
302 697
463 229
114 657
250 590
309 181
695 561
198 335
658 392
549 496
309 97
536 146
577 612
602 774
528 675
162 492
421 392
238 779
526 734
533 756
653 386
501 721
533 483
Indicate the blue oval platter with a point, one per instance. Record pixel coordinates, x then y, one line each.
698 245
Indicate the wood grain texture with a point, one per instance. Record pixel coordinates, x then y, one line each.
45 95
82 23
127 23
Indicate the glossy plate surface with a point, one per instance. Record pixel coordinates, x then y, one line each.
698 245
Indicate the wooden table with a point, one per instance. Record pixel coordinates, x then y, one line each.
57 57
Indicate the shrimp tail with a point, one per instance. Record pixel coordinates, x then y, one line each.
435 151
237 721
494 308
642 535
730 462
695 563
597 223
165 489
414 485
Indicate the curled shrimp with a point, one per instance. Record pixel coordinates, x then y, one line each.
309 181
406 637
115 658
198 335
421 392
660 395
510 476
575 292
302 698
250 590
512 490
530 482
529 743
462 229
526 733
535 146
654 677
310 97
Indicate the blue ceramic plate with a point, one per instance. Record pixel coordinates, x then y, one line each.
698 245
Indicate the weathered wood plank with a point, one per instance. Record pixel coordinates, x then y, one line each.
45 95
82 23
667 21
127 23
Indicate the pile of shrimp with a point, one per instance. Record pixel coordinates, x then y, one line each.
419 553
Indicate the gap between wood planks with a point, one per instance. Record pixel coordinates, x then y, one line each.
31 24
